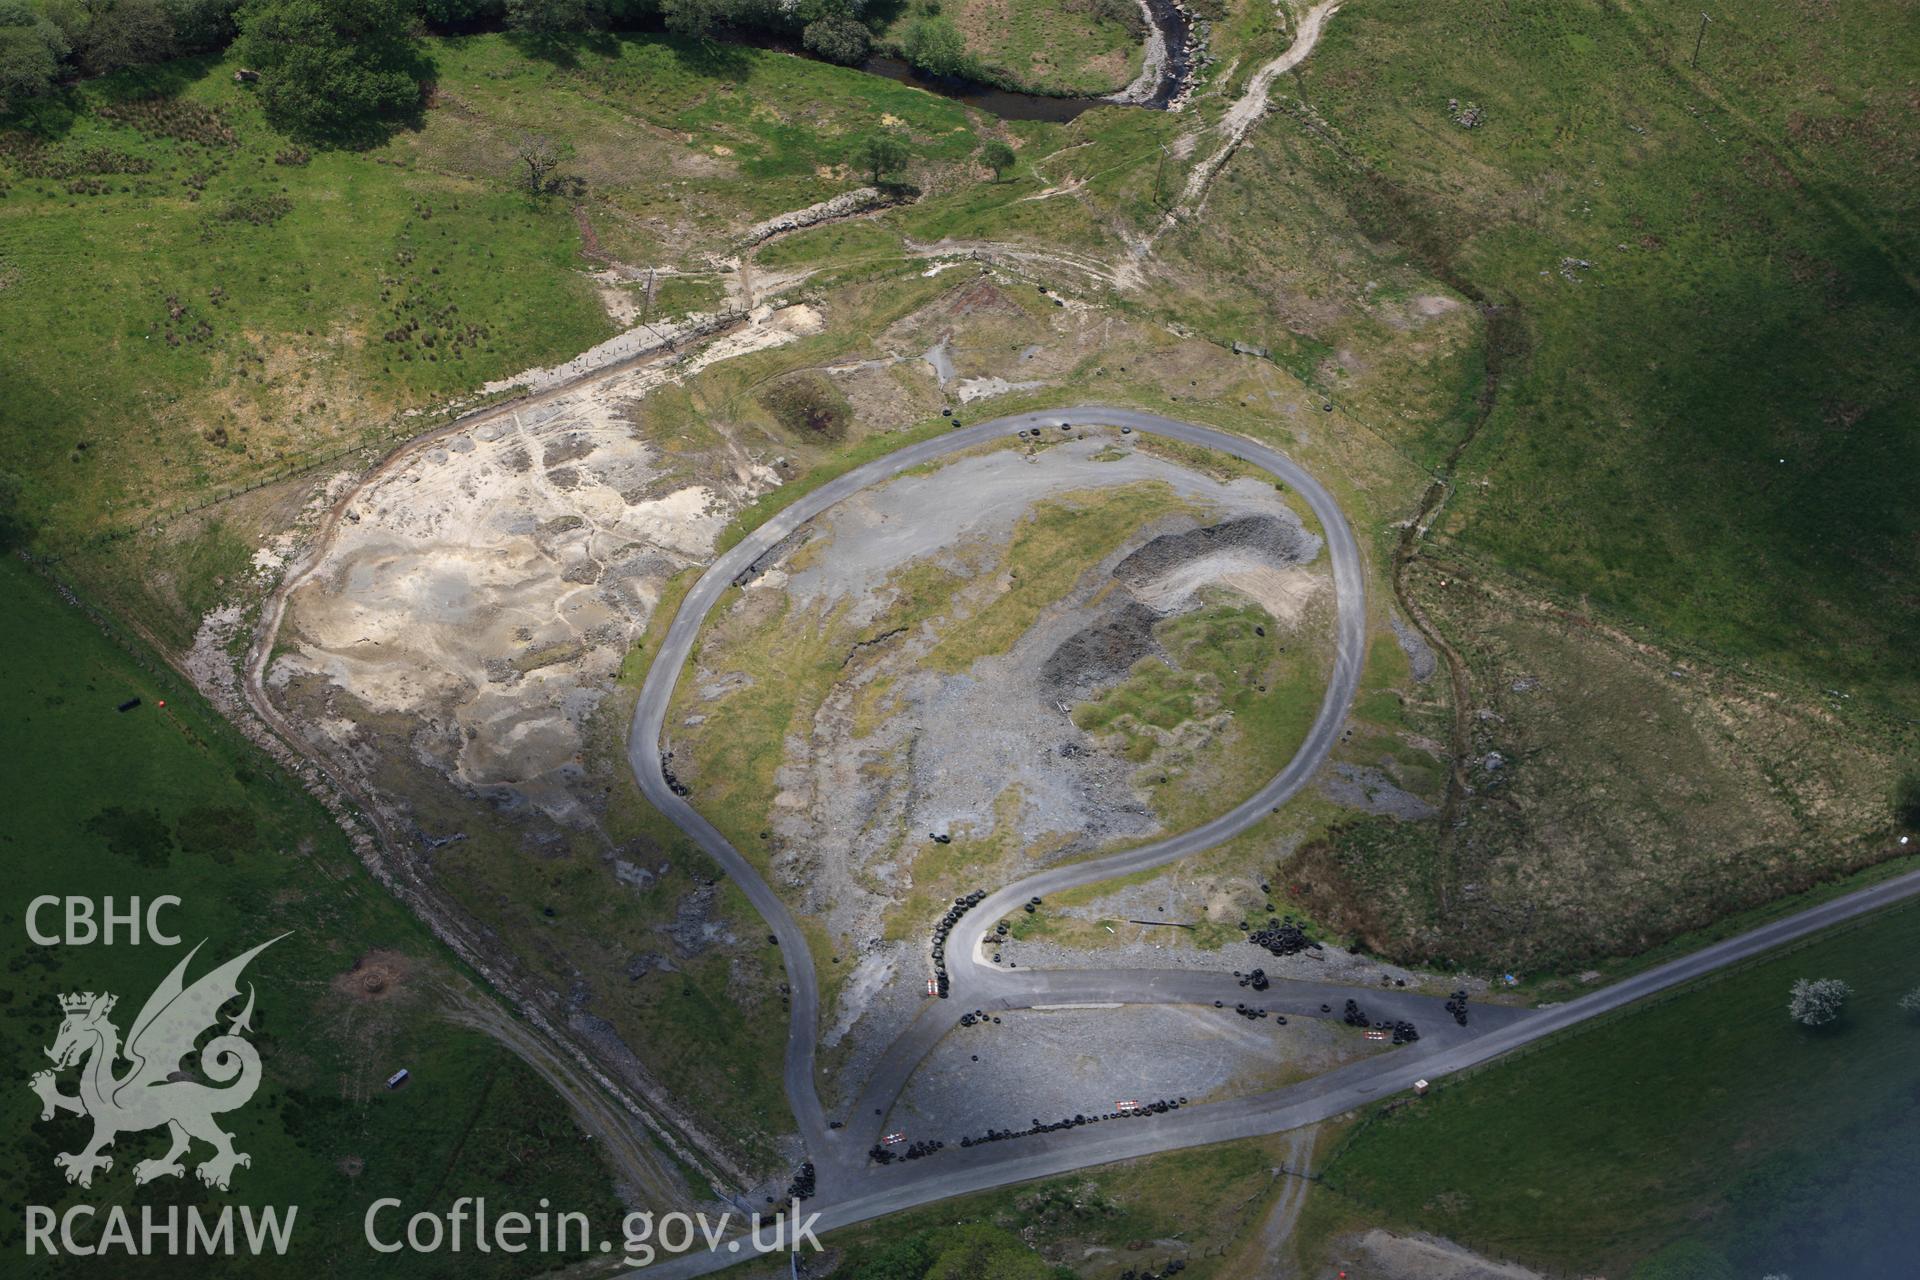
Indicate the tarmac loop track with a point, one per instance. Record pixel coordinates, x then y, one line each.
968 977
850 1190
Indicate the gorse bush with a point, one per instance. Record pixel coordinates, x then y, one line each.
1817 1002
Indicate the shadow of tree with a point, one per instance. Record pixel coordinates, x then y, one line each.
52 117
47 119
563 49
721 59
156 80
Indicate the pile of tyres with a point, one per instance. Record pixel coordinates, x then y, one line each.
1281 936
674 784
1173 1268
1252 1014
1457 1006
802 1186
882 1154
1158 1107
961 905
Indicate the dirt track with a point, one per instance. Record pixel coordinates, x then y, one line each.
1246 111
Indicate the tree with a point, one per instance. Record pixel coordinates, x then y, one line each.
1910 1002
1906 801
838 39
997 156
935 46
332 67
693 19
883 156
201 24
541 155
31 49
461 15
555 17
109 34
1816 1002
809 11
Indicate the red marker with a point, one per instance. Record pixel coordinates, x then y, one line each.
163 702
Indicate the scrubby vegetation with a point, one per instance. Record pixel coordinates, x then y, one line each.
1079 47
809 405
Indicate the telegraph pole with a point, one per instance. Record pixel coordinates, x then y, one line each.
1694 61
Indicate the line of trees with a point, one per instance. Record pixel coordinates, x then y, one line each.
337 70
43 42
329 67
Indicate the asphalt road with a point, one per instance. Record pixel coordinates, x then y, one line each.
850 1190
972 981
958 1172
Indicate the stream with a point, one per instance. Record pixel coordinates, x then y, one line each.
1170 28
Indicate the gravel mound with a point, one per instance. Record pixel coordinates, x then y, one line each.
1100 654
1268 537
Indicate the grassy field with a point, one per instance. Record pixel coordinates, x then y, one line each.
1080 47
183 304
168 800
1713 269
1689 648
225 313
1709 1117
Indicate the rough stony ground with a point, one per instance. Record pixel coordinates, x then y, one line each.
1333 964
1048 1064
1382 1255
1370 790
967 753
1421 660
483 591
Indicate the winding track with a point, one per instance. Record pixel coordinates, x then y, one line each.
850 1190
835 1151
